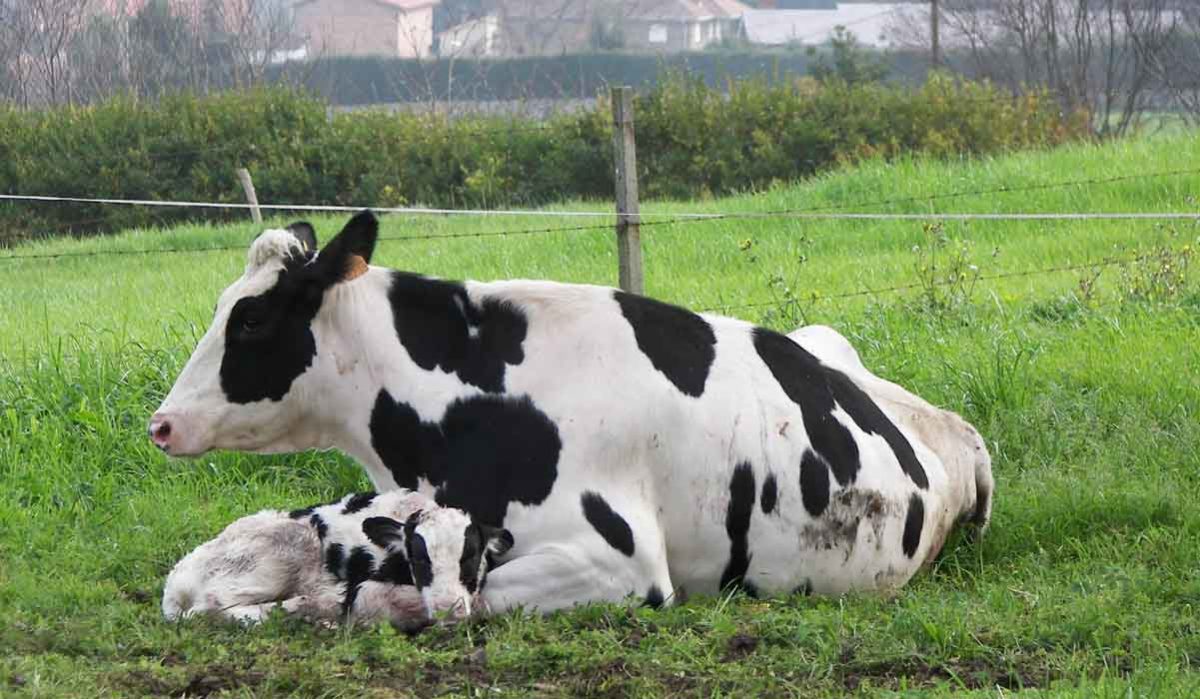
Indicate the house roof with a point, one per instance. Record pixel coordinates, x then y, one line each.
871 23
653 10
409 4
682 9
398 4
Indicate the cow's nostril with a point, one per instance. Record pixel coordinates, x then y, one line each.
160 432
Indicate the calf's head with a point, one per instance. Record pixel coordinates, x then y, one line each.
248 382
447 552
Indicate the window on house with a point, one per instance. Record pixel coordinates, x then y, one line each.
658 33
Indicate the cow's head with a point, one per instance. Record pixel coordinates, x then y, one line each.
448 554
247 384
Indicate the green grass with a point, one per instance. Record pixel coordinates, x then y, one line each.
1085 586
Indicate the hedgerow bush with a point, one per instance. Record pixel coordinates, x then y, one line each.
691 140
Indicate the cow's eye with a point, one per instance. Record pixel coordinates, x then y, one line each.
251 325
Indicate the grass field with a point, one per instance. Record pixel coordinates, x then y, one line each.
1087 388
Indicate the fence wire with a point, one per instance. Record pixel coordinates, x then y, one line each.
825 211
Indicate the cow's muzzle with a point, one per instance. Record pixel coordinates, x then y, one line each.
170 433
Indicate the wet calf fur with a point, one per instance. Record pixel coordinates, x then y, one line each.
397 556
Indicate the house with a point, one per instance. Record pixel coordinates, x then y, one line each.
474 38
797 4
871 23
401 28
548 27
681 25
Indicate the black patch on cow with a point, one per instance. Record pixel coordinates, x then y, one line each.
814 483
418 558
737 525
486 452
320 525
497 542
679 343
358 502
442 329
770 494
394 569
472 557
335 557
306 511
268 339
913 522
382 531
359 568
818 389
654 598
607 522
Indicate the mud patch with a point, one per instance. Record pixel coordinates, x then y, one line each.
740 645
838 525
136 595
971 674
210 680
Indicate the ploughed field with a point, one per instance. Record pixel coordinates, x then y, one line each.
1085 382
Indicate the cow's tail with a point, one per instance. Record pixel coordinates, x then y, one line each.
985 485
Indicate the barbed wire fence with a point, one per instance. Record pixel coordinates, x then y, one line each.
631 217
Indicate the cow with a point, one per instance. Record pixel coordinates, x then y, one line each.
632 447
396 556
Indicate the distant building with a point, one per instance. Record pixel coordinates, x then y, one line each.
475 38
682 25
548 27
871 23
797 4
402 28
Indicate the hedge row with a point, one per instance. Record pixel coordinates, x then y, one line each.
692 140
373 80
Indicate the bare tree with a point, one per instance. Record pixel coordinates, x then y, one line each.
254 34
16 33
1175 65
1098 55
66 51
39 36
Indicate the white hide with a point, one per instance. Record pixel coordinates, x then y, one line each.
661 459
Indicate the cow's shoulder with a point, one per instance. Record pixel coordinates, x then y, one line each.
444 328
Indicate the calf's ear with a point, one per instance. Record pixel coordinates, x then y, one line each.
383 531
498 541
347 255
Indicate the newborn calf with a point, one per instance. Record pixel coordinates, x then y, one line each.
396 556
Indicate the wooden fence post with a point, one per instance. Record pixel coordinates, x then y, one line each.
252 197
629 240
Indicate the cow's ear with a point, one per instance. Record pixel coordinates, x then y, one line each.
346 256
498 541
383 531
307 236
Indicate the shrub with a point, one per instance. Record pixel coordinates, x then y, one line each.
692 140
